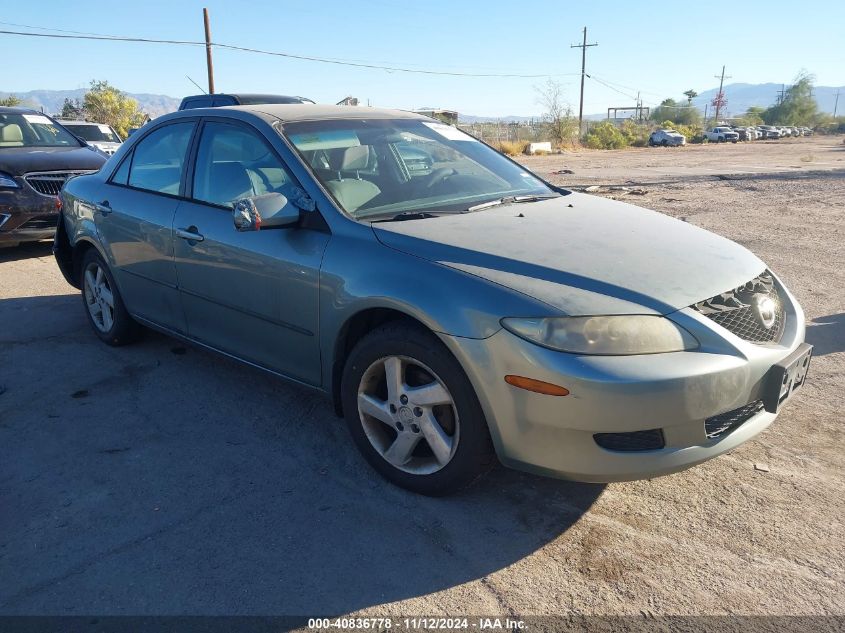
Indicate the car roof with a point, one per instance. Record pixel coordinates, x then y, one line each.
309 112
16 110
248 98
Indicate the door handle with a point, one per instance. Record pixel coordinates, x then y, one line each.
189 234
104 207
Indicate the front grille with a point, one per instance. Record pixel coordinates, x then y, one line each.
724 423
650 440
41 222
738 312
49 183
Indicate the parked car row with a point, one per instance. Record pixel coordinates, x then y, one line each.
755 132
665 137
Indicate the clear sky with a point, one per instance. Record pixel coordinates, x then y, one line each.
660 48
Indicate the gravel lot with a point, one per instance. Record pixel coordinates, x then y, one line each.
160 479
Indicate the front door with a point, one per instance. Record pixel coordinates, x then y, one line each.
251 294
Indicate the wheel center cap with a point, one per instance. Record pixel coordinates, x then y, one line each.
406 415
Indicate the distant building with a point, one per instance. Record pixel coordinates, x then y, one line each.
447 116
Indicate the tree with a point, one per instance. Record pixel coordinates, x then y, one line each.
690 95
72 109
798 106
10 102
718 104
562 126
753 116
671 110
104 103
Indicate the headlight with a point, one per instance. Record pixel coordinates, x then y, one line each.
606 335
8 182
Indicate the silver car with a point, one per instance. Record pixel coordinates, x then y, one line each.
453 314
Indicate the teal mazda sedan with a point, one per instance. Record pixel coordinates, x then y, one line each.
456 308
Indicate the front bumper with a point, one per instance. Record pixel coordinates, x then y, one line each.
26 215
674 393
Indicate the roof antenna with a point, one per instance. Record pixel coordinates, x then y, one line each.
196 84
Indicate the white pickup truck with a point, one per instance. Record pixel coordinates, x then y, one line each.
721 134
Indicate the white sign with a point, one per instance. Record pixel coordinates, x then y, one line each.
449 132
37 118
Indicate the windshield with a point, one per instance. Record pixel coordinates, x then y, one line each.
94 132
33 130
391 166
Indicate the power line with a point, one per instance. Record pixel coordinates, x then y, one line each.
607 85
310 58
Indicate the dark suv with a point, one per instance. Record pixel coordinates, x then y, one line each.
37 155
217 100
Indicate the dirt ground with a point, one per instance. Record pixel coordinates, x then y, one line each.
156 479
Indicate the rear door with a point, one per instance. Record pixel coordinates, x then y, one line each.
135 222
251 294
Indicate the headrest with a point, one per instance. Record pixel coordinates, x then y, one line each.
228 182
351 158
11 133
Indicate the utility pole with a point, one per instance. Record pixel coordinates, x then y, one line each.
208 52
720 96
836 104
583 48
781 93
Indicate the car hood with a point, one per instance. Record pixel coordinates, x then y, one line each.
582 254
20 160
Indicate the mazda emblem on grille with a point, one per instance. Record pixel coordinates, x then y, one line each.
764 309
754 311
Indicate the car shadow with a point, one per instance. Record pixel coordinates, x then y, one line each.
159 478
25 251
827 334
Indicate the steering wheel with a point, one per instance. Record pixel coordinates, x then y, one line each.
439 175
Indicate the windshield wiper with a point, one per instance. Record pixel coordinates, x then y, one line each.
408 215
511 200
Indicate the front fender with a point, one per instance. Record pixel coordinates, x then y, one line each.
359 273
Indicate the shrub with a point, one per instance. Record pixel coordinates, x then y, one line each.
635 134
693 133
512 148
605 135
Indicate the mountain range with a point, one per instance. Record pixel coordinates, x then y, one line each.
740 97
51 101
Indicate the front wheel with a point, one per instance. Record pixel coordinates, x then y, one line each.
103 304
412 411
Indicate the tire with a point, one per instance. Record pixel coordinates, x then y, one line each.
109 320
664 142
396 443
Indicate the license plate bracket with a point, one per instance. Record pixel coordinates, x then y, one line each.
786 377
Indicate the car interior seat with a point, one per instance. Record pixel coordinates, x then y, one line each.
226 182
350 190
11 135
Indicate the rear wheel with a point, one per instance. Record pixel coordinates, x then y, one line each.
412 411
103 304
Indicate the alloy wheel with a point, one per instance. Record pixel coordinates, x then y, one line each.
98 297
408 415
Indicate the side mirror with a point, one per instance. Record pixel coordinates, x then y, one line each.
268 211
